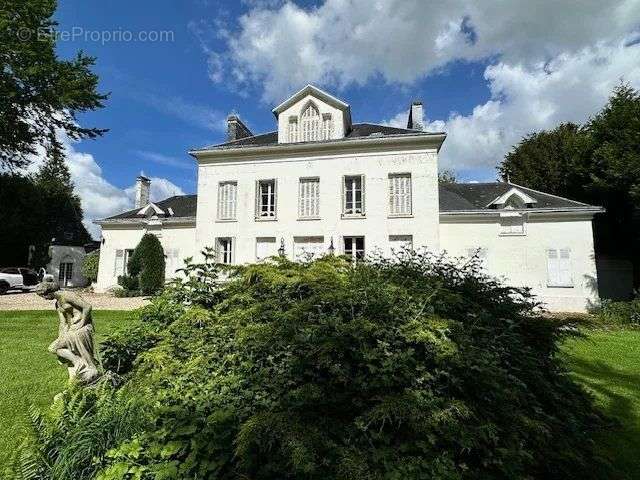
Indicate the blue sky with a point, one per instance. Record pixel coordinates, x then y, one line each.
487 75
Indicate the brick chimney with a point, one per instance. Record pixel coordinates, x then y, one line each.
415 116
236 129
143 185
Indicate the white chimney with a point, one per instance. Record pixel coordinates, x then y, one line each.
415 116
143 185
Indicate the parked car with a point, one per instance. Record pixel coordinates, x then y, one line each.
18 278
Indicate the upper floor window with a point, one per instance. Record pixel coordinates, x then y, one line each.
309 198
293 129
266 199
400 194
353 195
310 124
227 200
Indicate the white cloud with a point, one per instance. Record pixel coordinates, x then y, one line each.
100 198
342 42
528 98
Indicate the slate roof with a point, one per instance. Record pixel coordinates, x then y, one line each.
476 196
182 206
358 130
454 197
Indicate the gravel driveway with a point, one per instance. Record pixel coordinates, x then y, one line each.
100 301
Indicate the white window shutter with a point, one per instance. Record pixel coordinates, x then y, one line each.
119 263
564 267
362 178
344 194
552 266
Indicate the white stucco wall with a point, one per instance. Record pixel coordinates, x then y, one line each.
522 260
376 226
122 237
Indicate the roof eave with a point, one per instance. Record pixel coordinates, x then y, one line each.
496 212
426 139
144 221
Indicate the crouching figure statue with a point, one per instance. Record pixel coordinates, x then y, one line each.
74 345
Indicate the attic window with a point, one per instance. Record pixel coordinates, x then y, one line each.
514 199
310 120
327 126
293 129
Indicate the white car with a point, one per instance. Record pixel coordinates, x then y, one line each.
17 278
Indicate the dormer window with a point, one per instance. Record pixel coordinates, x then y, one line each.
293 129
327 126
310 123
514 199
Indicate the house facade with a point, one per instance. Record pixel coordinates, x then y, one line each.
322 183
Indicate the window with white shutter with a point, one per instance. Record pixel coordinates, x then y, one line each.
400 194
118 266
310 124
559 267
309 198
353 195
172 261
266 199
227 200
293 129
266 247
224 250
307 248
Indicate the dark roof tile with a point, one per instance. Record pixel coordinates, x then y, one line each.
182 206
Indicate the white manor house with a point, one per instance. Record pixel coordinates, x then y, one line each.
321 182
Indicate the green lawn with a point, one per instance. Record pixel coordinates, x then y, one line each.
28 373
607 364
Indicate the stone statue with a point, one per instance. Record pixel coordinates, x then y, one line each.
74 345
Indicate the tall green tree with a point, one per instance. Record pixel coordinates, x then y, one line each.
40 94
597 163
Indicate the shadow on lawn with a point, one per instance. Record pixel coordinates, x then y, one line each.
615 390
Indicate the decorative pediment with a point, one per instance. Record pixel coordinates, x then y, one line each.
312 115
513 199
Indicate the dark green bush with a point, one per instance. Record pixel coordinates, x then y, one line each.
145 268
90 266
414 368
618 314
128 283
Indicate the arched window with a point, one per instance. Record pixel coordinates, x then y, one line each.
310 124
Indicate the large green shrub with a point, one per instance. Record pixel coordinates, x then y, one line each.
618 314
414 368
90 266
145 269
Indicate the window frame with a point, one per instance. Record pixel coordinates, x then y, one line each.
354 214
301 181
390 177
274 204
232 253
557 282
234 217
354 251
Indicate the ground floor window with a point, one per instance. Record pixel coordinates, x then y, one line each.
307 248
400 243
172 260
266 247
225 250
65 273
559 267
354 247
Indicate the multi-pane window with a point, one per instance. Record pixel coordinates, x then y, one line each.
310 124
512 225
266 199
353 195
227 200
354 247
309 198
559 267
65 273
306 248
266 247
293 129
400 194
224 250
121 261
